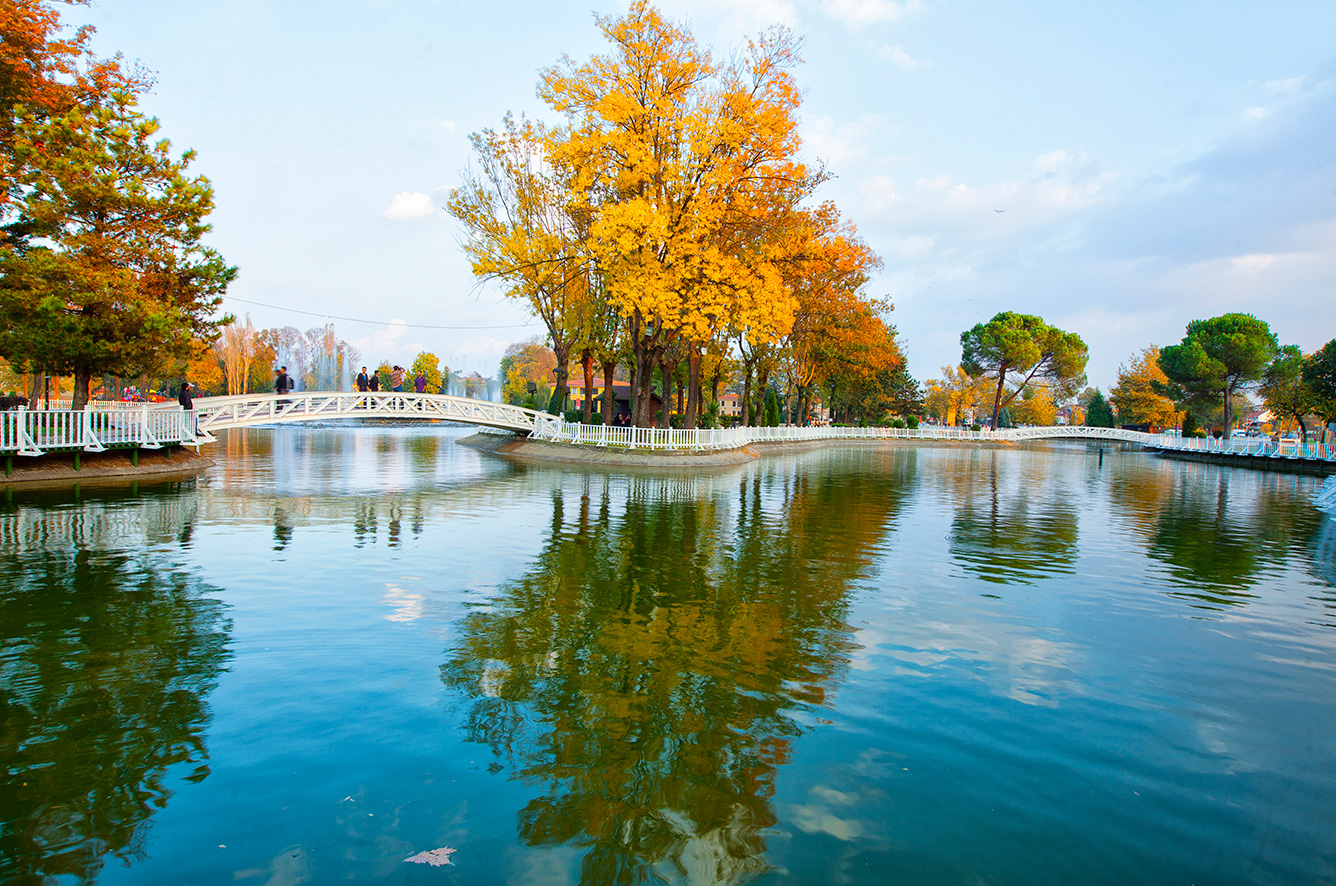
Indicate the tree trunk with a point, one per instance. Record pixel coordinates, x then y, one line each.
762 379
997 398
1229 409
746 397
609 395
83 379
587 361
666 406
693 388
560 390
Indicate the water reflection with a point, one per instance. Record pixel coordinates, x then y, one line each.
1215 531
106 659
650 673
1012 523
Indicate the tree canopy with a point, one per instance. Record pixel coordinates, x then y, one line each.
1099 414
103 267
1016 349
1284 390
1136 395
1217 359
1319 374
668 219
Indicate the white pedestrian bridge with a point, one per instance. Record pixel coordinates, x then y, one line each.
36 431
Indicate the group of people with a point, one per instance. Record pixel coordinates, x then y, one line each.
371 381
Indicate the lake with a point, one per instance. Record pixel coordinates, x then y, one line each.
342 647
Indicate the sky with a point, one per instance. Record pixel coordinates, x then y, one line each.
1118 169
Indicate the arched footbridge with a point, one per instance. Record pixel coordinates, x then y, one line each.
32 432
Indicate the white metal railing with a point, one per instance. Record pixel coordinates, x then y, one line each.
34 431
37 431
255 409
1255 446
67 403
732 438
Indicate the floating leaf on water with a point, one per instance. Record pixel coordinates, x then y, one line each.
435 857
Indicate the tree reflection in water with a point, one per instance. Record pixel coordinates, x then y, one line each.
1012 525
1216 532
105 663
651 672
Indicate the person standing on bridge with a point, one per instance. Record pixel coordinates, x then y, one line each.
420 383
363 383
187 403
397 379
282 384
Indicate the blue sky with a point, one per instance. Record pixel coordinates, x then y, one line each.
1155 162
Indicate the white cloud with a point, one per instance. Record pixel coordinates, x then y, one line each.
484 351
897 56
838 143
860 13
737 19
388 343
410 204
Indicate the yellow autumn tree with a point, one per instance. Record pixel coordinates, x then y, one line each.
1135 395
953 393
686 166
525 227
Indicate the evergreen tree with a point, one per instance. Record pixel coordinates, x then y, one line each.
1099 415
108 272
771 408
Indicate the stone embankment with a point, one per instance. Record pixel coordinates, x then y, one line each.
115 467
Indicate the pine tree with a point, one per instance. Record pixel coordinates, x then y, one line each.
1099 415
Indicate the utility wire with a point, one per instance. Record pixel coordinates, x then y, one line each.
372 322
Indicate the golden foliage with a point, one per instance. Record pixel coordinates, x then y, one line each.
1135 396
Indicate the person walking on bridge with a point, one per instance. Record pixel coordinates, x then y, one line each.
283 383
397 379
362 381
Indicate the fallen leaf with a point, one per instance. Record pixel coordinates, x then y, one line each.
435 857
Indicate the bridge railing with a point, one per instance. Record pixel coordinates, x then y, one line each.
732 438
37 431
1256 446
254 409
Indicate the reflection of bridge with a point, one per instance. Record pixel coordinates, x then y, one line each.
32 432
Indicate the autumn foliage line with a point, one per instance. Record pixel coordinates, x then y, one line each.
667 221
103 268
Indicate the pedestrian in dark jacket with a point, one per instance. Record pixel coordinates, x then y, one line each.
363 382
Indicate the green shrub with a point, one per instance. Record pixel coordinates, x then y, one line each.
897 423
574 416
913 422
976 427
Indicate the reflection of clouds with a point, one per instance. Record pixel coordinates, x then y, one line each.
290 867
406 606
819 818
1215 738
1019 664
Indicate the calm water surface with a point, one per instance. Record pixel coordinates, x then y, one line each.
342 647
